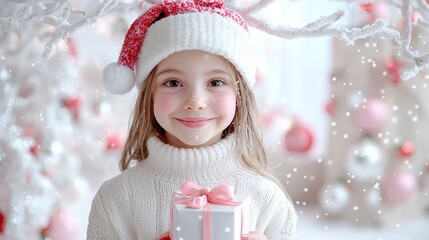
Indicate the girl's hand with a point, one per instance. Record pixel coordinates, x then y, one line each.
256 236
165 236
252 236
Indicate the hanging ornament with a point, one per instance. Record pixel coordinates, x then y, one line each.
62 226
334 198
415 16
73 105
407 149
372 116
330 108
373 198
298 139
354 99
364 160
375 10
2 223
398 187
71 47
114 141
34 148
393 68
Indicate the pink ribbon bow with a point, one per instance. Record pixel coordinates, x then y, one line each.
195 196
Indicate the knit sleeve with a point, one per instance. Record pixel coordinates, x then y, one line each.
279 217
100 225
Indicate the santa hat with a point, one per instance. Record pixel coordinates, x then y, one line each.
173 26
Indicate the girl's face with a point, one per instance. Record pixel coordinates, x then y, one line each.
194 98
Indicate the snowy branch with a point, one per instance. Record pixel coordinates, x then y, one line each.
411 10
57 15
66 29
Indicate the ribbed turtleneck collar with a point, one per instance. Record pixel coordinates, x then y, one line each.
213 163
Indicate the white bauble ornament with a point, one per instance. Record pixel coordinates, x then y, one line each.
373 198
364 160
334 198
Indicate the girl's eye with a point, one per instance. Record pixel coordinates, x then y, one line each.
216 83
172 83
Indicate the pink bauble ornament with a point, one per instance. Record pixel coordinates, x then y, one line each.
63 226
398 187
393 67
330 108
407 149
372 116
114 141
299 138
73 105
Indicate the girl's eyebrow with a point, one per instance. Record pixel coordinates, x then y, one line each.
168 71
217 71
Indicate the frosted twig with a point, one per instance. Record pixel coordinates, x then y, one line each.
420 62
24 15
65 31
380 29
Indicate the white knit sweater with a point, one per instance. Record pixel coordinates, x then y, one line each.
135 204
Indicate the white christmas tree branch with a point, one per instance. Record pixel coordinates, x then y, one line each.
24 14
66 30
56 14
420 62
324 27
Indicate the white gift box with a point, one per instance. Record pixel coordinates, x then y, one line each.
227 222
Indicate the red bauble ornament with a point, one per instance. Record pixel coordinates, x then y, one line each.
299 139
330 108
367 7
114 141
393 67
407 149
35 147
2 223
71 47
73 105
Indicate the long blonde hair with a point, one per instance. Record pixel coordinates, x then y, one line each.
246 126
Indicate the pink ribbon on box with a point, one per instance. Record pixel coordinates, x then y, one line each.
198 197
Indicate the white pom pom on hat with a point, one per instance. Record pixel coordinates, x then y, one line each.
118 79
173 26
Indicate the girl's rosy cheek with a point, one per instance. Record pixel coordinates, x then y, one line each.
163 101
225 103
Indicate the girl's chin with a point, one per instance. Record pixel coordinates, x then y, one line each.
193 141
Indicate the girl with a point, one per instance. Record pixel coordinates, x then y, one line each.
195 118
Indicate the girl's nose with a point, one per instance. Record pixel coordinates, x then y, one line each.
195 103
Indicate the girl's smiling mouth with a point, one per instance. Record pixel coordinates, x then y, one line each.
194 122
